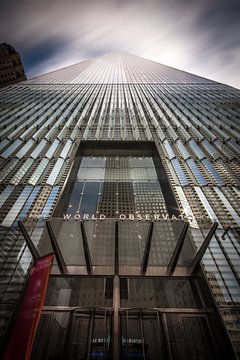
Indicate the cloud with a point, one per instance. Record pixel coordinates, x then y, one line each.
197 36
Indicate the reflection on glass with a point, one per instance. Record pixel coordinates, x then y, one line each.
116 185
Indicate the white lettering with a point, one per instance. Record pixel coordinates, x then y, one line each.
77 216
139 217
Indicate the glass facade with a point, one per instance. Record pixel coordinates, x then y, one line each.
115 185
120 152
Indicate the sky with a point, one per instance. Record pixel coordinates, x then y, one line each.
198 36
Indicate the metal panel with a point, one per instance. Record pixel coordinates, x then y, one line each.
55 172
52 149
11 149
5 194
17 206
227 204
38 149
24 149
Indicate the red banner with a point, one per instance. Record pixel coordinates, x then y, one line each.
22 333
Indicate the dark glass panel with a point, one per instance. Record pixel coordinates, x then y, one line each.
74 291
92 188
89 204
50 338
190 337
161 293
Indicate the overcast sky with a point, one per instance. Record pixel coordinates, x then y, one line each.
199 36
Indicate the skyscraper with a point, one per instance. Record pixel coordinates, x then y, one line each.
11 68
128 170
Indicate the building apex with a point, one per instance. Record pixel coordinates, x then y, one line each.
118 67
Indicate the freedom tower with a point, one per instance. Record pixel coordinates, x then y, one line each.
119 214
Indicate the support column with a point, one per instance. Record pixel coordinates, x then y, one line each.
198 257
58 254
116 301
28 240
176 253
